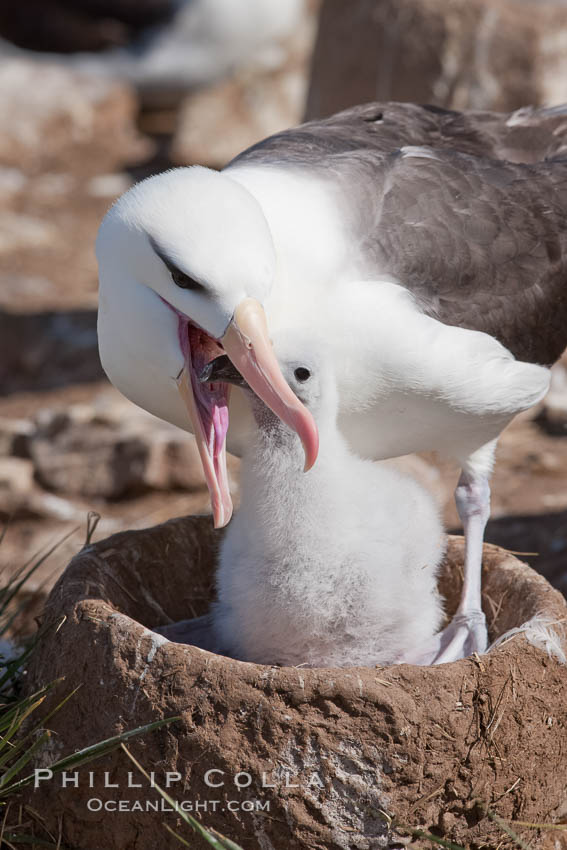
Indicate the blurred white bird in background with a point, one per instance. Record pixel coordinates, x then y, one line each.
173 46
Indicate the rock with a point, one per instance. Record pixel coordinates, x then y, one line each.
173 458
173 462
43 350
65 120
329 755
251 107
553 415
113 451
23 232
107 449
264 96
20 288
467 54
20 496
92 461
14 437
108 185
12 184
16 480
52 185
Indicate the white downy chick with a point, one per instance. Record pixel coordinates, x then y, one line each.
333 567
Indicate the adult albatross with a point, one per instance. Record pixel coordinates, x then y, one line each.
428 247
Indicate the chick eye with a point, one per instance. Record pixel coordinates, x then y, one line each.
183 281
302 374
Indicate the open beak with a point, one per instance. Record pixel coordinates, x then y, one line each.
210 436
247 343
207 406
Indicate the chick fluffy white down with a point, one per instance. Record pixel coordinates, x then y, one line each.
334 567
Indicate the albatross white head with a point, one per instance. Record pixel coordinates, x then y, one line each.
186 260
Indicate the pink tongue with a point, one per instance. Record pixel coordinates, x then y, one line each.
212 410
220 425
207 406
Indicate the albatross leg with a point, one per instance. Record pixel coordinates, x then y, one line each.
466 633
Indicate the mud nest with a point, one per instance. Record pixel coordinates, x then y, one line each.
300 758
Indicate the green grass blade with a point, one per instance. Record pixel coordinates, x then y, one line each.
15 838
17 714
16 708
14 666
208 836
24 759
226 842
15 583
394 824
177 836
108 744
506 828
561 827
93 519
53 711
90 753
4 530
15 727
12 612
428 836
23 741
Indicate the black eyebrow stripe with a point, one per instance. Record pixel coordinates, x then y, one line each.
162 255
170 266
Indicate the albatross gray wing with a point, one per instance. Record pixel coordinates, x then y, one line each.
482 244
528 135
467 210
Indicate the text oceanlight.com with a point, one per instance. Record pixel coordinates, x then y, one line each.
95 804
214 778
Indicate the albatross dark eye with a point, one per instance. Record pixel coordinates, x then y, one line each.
180 279
183 281
302 374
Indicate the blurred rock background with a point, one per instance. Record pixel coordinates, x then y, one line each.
458 54
97 94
